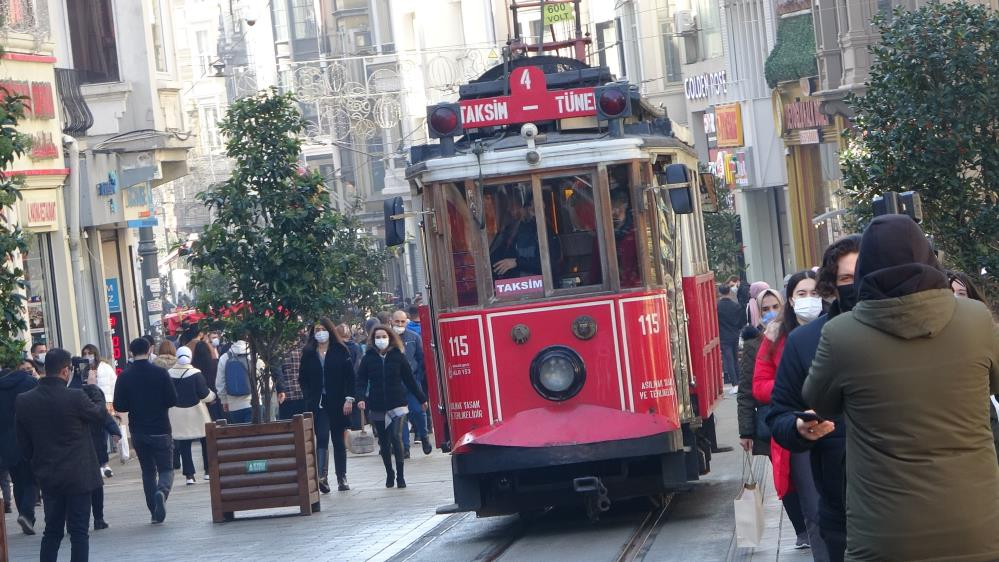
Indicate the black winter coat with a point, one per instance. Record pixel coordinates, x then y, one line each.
338 376
386 374
731 319
12 384
100 430
53 431
746 404
827 454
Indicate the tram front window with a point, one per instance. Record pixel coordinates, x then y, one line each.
570 216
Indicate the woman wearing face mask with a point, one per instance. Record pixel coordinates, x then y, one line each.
754 435
101 372
802 305
326 375
385 367
189 416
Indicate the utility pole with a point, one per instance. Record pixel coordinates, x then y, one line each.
152 307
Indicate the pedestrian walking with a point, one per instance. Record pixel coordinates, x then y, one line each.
417 418
205 359
414 319
104 376
754 433
233 383
189 416
291 400
98 434
385 368
909 368
13 459
53 432
731 319
835 280
963 287
146 393
165 355
38 350
753 309
801 306
326 375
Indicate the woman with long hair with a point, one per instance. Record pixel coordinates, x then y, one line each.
802 304
189 416
385 367
166 355
326 375
101 374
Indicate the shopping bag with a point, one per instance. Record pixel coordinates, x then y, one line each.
749 510
361 441
123 452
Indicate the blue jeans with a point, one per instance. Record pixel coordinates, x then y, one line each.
156 460
730 362
417 417
72 513
241 416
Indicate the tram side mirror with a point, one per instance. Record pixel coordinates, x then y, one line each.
395 224
677 179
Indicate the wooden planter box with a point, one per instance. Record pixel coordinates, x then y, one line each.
262 466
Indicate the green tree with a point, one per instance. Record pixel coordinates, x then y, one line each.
721 236
276 253
12 242
929 122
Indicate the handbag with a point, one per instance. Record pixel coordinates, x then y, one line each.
748 505
123 452
763 432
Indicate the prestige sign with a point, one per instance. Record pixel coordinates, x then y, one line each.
529 101
704 85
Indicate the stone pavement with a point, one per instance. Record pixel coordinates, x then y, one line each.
778 534
370 522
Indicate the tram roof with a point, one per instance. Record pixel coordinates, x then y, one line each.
507 155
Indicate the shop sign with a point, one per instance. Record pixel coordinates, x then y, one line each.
804 115
115 320
113 294
704 85
809 136
43 147
40 101
41 209
109 187
728 122
742 174
139 206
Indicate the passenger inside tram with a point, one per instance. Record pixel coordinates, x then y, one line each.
624 233
514 251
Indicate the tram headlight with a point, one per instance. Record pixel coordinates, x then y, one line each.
557 373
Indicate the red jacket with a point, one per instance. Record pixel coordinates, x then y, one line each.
764 376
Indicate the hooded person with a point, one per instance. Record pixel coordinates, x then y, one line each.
908 369
753 308
189 416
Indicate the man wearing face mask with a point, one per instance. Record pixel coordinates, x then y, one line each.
826 440
38 356
414 354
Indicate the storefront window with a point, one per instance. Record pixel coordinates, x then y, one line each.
42 305
462 231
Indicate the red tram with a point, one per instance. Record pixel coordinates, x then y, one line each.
573 354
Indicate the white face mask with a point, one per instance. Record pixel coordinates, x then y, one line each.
322 336
40 357
807 308
399 329
381 343
215 342
90 358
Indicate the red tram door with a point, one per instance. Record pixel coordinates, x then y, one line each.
434 393
705 346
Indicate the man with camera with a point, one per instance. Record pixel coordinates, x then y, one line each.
53 433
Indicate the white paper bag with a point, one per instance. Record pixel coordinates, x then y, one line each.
123 453
749 520
749 516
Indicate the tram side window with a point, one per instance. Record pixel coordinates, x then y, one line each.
623 215
571 220
462 232
514 251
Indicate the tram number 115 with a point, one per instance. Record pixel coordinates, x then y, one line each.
458 345
649 323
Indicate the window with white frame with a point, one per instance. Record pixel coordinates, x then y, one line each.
205 52
211 139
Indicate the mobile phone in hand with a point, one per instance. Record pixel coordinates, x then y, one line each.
808 416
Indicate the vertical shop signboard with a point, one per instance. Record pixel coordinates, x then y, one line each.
115 322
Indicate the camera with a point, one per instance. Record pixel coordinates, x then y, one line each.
80 371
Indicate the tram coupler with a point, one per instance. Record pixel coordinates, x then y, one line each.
595 495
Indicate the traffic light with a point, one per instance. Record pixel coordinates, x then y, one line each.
444 120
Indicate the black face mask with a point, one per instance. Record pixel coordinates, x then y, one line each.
847 297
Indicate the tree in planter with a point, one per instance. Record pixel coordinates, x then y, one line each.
12 242
929 123
271 259
720 233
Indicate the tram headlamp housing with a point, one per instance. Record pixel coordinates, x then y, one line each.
558 373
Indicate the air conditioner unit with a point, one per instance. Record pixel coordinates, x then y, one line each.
684 23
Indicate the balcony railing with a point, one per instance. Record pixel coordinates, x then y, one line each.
76 115
25 16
